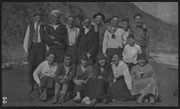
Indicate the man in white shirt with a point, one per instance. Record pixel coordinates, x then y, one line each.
113 39
34 45
131 51
73 33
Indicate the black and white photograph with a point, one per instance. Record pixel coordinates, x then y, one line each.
89 54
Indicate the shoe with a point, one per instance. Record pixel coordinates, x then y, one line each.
55 99
93 102
61 99
31 89
152 101
105 101
77 101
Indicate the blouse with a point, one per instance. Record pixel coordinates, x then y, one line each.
44 70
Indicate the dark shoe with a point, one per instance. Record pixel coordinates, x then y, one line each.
31 89
61 99
55 99
94 101
78 101
105 101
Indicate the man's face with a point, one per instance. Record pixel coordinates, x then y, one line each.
125 25
67 61
138 20
55 18
131 41
70 22
98 19
115 21
141 62
87 23
38 18
51 58
84 62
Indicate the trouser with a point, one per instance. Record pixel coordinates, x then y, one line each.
110 52
61 86
145 51
36 54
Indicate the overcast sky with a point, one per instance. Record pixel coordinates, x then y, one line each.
167 11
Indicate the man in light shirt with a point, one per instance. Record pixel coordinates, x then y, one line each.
73 33
113 39
131 51
34 45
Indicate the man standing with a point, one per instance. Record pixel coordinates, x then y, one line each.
88 42
34 45
112 41
99 27
56 36
73 33
139 30
126 28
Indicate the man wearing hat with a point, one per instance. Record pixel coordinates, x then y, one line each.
126 28
34 45
99 27
56 36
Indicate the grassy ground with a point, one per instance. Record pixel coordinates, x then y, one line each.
14 87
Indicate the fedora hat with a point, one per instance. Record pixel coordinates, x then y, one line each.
98 13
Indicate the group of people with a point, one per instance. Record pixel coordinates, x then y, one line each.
99 60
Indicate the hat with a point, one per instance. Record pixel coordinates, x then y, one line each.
55 11
98 13
38 13
125 19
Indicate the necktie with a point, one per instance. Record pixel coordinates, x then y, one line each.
36 34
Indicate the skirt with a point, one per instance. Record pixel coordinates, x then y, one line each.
145 86
96 88
119 91
47 82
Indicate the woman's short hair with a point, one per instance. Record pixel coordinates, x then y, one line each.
141 56
49 53
117 53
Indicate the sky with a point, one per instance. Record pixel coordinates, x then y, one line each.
166 11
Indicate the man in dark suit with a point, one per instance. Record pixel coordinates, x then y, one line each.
88 42
34 45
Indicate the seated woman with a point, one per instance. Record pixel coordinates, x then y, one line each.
83 72
144 80
44 75
120 89
64 75
97 85
131 51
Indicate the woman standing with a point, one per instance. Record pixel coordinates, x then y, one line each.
97 85
44 75
121 87
56 36
144 80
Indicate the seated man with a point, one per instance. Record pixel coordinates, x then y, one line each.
82 75
64 75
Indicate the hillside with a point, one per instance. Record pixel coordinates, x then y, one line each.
16 16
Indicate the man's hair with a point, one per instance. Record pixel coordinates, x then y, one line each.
67 55
125 20
130 36
114 17
137 15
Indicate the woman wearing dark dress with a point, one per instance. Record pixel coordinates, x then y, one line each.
97 85
56 36
121 87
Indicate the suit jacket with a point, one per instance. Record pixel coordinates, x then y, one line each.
61 72
60 35
96 71
88 42
80 75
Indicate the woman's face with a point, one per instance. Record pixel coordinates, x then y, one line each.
115 59
78 21
141 62
51 58
55 18
67 61
84 62
102 62
131 41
